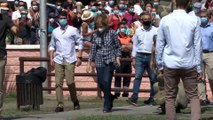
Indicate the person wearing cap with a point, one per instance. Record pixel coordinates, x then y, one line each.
86 31
5 24
63 57
207 44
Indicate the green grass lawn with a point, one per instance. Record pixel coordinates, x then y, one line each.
121 118
10 109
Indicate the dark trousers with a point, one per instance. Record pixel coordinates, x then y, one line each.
172 78
104 75
124 68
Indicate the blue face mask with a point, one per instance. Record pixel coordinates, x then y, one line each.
123 30
121 6
21 8
204 20
111 2
63 22
51 20
93 8
116 12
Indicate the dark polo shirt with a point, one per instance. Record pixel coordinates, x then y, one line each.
5 23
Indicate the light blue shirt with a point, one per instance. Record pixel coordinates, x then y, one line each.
207 37
143 40
179 42
63 42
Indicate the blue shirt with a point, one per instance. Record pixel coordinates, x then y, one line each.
179 42
143 40
63 43
207 37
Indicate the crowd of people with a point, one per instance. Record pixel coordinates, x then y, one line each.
173 46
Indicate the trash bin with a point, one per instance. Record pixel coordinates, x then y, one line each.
29 87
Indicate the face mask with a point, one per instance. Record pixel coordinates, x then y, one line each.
196 10
63 22
204 20
51 20
153 14
116 12
101 29
21 8
23 15
147 23
155 3
93 8
121 6
131 10
16 2
35 8
59 8
99 12
125 7
123 30
111 3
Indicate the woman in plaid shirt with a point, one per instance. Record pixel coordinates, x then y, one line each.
105 55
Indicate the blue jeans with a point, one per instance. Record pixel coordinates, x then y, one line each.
104 75
142 64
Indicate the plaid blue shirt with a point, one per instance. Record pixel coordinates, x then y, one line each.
105 48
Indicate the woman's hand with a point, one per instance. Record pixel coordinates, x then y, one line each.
118 61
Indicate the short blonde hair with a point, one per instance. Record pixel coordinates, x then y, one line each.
102 18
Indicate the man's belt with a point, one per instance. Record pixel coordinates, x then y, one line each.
207 51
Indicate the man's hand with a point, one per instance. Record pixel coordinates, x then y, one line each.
161 73
52 62
199 76
78 63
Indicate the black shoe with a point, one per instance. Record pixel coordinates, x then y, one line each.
204 102
59 109
106 111
117 95
150 101
125 94
76 106
132 102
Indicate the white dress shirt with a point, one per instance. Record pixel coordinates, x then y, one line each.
143 40
179 42
63 43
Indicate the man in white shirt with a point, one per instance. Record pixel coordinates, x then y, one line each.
141 54
178 56
63 56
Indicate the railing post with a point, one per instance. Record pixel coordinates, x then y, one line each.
21 65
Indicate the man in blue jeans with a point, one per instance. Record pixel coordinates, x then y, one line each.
141 54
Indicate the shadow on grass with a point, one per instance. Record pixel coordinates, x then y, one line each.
14 118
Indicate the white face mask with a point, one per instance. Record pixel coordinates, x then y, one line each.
101 29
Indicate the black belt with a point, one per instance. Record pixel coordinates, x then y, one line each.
207 51
142 53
